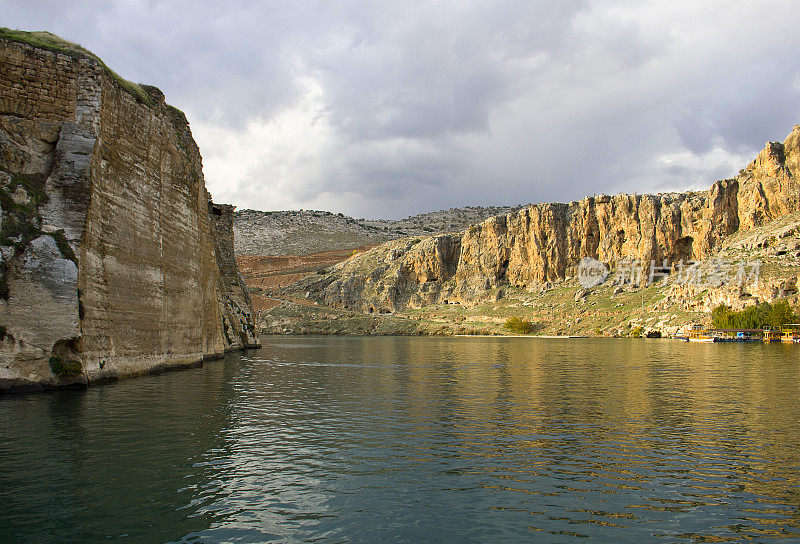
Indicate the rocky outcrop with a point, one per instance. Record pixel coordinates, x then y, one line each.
114 260
237 315
545 242
306 232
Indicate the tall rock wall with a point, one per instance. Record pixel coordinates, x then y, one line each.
545 242
111 261
237 308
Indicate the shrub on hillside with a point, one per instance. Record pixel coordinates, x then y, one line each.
519 325
62 368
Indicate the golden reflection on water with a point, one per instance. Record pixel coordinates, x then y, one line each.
621 417
419 440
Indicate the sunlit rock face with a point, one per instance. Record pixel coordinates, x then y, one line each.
545 242
111 262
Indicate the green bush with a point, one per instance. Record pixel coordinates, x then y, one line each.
761 316
63 368
519 325
636 332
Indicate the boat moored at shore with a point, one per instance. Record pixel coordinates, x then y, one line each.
695 332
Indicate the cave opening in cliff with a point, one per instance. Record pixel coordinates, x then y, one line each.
592 240
683 249
620 241
502 270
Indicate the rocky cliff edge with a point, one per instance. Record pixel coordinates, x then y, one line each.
543 243
114 260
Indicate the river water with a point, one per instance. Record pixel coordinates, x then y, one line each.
348 439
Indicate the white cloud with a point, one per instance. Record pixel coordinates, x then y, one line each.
268 162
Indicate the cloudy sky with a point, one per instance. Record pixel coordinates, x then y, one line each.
391 108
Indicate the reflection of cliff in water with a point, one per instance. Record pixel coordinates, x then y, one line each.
646 427
123 459
418 439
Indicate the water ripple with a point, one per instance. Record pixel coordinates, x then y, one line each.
417 440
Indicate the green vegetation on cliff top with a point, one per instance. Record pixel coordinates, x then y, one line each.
51 42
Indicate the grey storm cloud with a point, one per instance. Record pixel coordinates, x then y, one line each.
741 104
391 108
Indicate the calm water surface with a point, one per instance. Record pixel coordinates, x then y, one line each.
418 440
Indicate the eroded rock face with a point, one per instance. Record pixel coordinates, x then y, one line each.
112 254
238 324
545 242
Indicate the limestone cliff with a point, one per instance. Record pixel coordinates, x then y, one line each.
114 260
545 242
235 300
